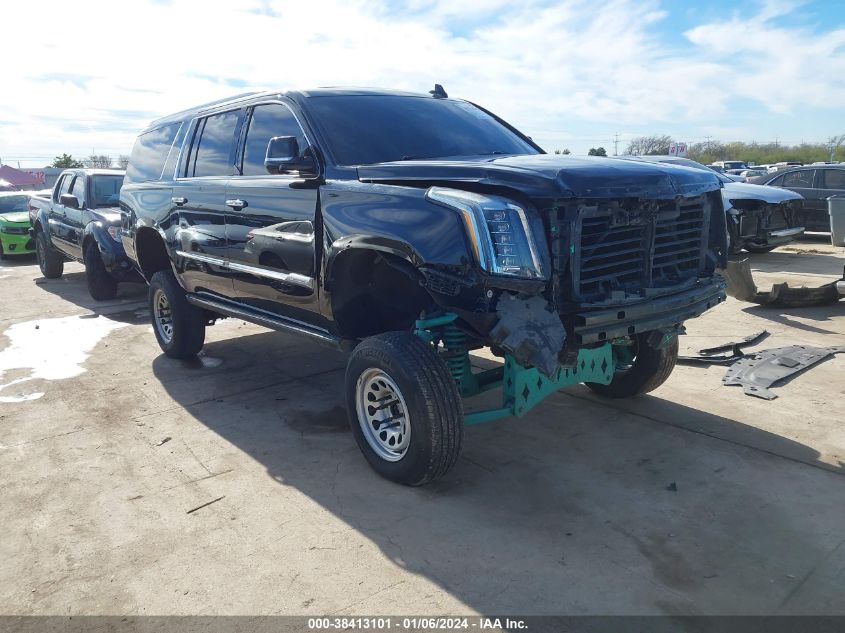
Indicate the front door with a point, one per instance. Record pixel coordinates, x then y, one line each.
270 222
198 206
61 217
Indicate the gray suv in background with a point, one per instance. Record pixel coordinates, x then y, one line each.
816 183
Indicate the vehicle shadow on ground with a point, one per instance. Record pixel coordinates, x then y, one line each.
668 510
819 314
128 306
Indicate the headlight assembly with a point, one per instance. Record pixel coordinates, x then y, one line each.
498 229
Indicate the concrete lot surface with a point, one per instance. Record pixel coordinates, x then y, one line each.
135 484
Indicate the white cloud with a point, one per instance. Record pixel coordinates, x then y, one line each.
549 67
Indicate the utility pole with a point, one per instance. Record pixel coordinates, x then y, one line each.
834 143
616 144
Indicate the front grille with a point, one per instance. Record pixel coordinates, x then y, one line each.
651 244
777 218
611 256
678 247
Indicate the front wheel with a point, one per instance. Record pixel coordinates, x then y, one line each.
49 261
640 368
404 408
179 327
101 284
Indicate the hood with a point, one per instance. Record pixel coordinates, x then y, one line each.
552 176
15 216
748 191
107 215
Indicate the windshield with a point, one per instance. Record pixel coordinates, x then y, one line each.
106 191
13 203
366 129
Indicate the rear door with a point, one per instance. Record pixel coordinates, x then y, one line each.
270 223
198 204
829 182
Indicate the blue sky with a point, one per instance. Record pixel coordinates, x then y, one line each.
572 74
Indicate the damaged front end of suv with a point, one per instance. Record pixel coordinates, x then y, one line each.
580 271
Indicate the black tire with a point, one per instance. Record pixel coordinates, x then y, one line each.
433 414
52 264
649 369
179 327
751 248
101 284
734 247
2 254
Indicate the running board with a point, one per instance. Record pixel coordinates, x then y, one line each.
274 322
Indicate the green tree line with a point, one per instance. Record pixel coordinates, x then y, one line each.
759 153
764 153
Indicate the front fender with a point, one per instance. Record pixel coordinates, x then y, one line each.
114 257
391 219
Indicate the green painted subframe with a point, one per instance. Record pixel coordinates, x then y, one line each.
522 387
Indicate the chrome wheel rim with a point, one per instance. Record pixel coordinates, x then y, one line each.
162 316
383 415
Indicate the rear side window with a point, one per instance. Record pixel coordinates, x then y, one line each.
800 178
150 153
213 155
833 179
266 122
78 189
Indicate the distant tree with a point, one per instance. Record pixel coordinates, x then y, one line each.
66 161
597 151
123 161
98 161
565 152
655 144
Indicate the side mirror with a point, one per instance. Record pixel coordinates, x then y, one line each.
69 200
283 156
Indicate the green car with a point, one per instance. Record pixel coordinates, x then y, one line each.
14 224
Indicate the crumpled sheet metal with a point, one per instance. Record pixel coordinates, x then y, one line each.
740 285
756 372
530 331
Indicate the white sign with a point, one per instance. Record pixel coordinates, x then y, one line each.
678 149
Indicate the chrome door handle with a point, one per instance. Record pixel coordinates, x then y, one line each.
179 200
236 204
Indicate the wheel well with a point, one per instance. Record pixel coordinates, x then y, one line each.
151 252
374 292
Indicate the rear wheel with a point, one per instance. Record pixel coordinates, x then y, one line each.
404 408
101 284
751 248
640 368
52 264
179 327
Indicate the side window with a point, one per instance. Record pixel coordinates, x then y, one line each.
66 183
800 178
214 146
266 122
60 185
149 153
833 179
777 182
78 189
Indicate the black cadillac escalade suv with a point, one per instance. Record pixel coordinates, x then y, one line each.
411 229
